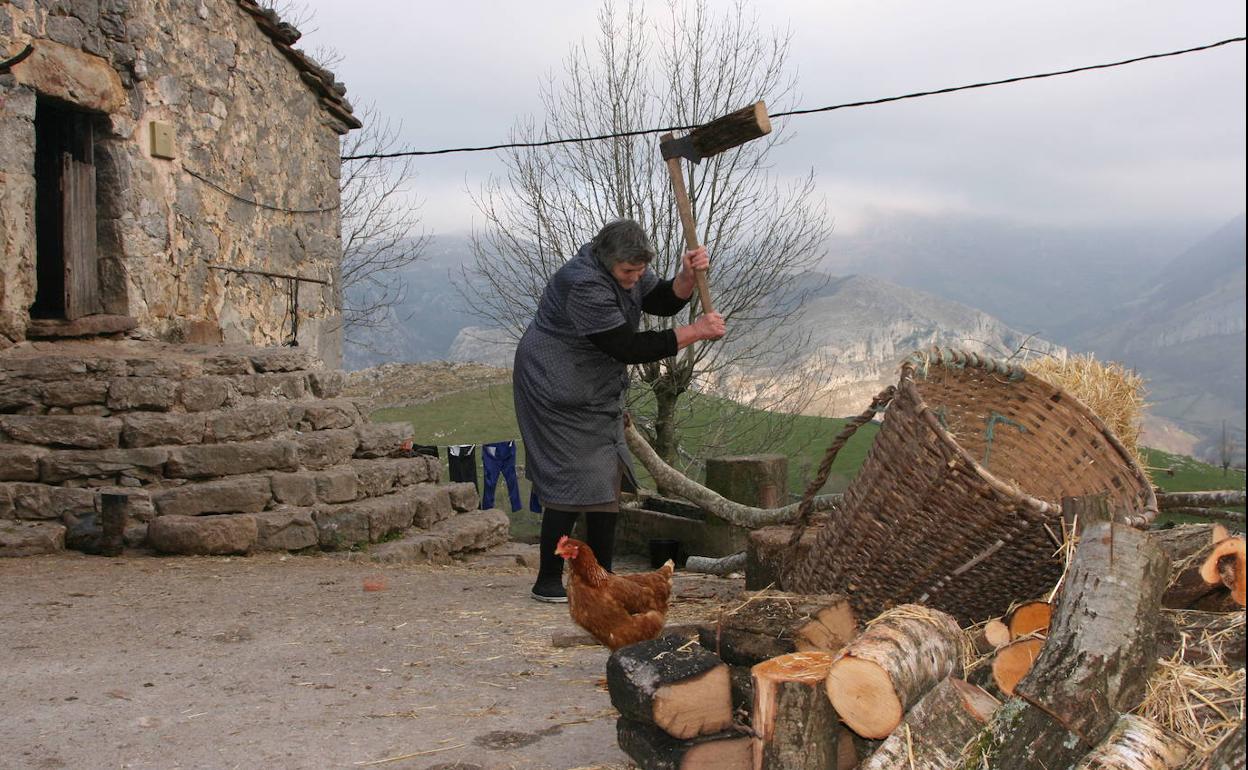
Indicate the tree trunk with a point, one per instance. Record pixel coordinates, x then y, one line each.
1100 651
679 485
882 673
1217 499
1136 743
675 685
654 749
768 555
665 398
937 729
795 727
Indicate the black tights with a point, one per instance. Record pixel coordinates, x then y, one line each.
600 537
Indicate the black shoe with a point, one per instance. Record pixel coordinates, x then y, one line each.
550 591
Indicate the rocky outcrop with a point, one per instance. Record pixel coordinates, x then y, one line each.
216 451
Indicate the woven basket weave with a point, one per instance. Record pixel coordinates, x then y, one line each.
957 505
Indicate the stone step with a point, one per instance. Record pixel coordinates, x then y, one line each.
30 538
458 535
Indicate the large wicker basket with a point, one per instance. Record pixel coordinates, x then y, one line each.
957 505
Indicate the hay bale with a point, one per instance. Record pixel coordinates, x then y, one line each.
1113 392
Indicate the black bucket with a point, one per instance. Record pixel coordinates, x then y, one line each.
662 550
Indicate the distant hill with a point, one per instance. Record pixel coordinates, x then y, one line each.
1186 334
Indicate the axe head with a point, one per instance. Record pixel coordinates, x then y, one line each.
732 130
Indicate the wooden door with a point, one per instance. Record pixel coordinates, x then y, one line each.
82 277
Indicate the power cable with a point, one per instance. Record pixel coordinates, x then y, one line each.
846 105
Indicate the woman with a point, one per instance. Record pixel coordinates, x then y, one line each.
571 372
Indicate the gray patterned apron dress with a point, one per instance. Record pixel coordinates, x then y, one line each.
569 395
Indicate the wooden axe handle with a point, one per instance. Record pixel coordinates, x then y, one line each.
686 220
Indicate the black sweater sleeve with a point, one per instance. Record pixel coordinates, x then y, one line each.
630 347
662 300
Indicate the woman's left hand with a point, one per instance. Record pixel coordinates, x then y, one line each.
695 259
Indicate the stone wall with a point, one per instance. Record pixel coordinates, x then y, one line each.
243 118
219 450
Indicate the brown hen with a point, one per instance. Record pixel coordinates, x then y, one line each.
617 610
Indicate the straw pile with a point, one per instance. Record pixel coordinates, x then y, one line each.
1199 703
1113 393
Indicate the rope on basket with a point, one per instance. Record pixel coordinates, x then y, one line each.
878 404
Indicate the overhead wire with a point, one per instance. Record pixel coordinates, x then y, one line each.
790 113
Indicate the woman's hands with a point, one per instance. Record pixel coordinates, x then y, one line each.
709 326
694 259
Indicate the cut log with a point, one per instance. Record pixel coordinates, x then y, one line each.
996 633
1225 566
882 673
654 749
1136 743
1029 617
847 757
1202 637
1227 755
779 624
725 565
768 555
937 729
795 727
1100 651
1013 661
1188 546
675 685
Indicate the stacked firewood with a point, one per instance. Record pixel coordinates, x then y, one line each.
1131 665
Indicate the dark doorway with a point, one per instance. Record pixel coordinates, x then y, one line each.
65 212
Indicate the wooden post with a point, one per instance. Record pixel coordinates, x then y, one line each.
760 480
113 522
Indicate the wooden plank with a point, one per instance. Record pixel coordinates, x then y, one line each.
82 281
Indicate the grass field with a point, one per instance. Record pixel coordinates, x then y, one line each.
486 415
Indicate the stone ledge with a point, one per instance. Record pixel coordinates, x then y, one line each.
31 538
87 326
235 494
203 535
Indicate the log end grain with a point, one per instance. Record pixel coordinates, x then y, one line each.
697 706
862 693
1013 661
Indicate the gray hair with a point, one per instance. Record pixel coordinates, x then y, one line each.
622 241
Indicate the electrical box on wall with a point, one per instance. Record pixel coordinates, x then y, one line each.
162 140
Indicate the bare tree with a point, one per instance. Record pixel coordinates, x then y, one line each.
379 228
685 68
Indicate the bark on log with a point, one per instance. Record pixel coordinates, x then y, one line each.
673 684
1215 499
795 727
654 749
1136 743
1227 755
768 554
780 624
677 483
1100 651
1202 637
725 565
882 673
938 728
1188 546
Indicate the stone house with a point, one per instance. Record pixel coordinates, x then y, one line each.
167 168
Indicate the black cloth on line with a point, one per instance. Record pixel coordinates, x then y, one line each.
630 347
462 459
661 300
430 450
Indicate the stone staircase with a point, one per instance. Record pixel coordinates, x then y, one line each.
218 451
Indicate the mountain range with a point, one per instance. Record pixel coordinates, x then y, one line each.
1165 301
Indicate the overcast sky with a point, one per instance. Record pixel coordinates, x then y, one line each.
1154 143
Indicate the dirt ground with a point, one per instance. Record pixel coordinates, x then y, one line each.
279 661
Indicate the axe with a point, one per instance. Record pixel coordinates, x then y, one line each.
733 129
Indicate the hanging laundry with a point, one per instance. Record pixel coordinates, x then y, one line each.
535 505
462 459
500 457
